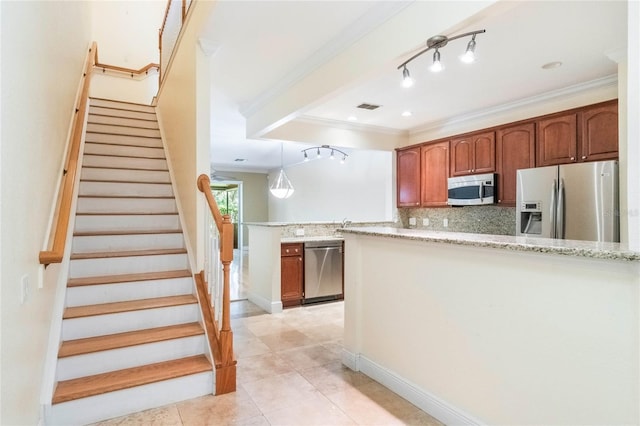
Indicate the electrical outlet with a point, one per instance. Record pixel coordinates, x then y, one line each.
24 288
445 222
300 232
425 221
412 221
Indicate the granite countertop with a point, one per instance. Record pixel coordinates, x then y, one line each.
283 224
597 250
305 239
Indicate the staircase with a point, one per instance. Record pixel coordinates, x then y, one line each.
131 329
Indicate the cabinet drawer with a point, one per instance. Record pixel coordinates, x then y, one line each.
294 249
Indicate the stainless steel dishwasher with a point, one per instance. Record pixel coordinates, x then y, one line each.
322 271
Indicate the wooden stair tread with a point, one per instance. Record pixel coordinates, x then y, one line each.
164 197
138 213
128 253
130 338
128 306
126 181
123 168
83 387
127 232
125 278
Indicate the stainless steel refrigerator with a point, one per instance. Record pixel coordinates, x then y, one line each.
573 201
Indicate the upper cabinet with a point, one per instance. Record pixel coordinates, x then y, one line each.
587 134
473 154
408 177
515 149
599 132
435 172
557 140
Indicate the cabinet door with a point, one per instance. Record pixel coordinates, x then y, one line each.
599 128
291 280
408 177
462 156
484 153
515 150
556 140
435 172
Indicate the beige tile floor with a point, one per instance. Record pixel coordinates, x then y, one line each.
289 373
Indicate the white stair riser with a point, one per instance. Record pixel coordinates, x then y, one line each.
126 205
131 356
125 175
81 268
122 222
121 105
124 162
125 189
100 325
132 400
100 243
123 121
118 130
122 113
121 292
123 150
123 140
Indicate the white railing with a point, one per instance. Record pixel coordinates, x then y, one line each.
174 17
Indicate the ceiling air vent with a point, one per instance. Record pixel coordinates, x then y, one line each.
370 107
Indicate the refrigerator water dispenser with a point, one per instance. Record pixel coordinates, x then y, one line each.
531 217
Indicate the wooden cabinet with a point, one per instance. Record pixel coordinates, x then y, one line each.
473 154
599 132
557 140
291 274
587 134
434 174
408 177
515 149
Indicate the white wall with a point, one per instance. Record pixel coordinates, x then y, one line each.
44 45
127 36
505 337
361 190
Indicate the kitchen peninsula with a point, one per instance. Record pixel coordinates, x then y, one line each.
266 241
486 329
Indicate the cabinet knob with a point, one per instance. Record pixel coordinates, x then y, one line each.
287 250
584 157
573 158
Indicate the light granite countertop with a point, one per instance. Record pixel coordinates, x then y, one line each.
306 239
597 250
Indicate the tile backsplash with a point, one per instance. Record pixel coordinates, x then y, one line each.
475 219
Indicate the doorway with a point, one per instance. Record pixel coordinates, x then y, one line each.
228 196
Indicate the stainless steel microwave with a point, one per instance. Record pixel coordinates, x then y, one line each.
471 190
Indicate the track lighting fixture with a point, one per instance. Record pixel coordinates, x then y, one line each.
436 43
332 155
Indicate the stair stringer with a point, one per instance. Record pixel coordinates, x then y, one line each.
192 261
49 379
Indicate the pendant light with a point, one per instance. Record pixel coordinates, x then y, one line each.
281 187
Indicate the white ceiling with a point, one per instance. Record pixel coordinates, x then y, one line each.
258 46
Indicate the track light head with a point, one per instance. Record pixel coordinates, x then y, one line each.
437 65
470 56
407 81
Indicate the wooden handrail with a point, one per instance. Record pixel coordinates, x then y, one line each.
54 255
226 365
131 71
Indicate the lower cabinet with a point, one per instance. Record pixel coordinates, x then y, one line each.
291 274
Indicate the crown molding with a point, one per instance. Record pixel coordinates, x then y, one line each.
366 23
608 81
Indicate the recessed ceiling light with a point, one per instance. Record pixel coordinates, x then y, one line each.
552 65
352 118
407 114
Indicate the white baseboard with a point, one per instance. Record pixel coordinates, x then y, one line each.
426 401
267 305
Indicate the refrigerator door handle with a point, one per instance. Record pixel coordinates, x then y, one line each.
560 211
553 208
